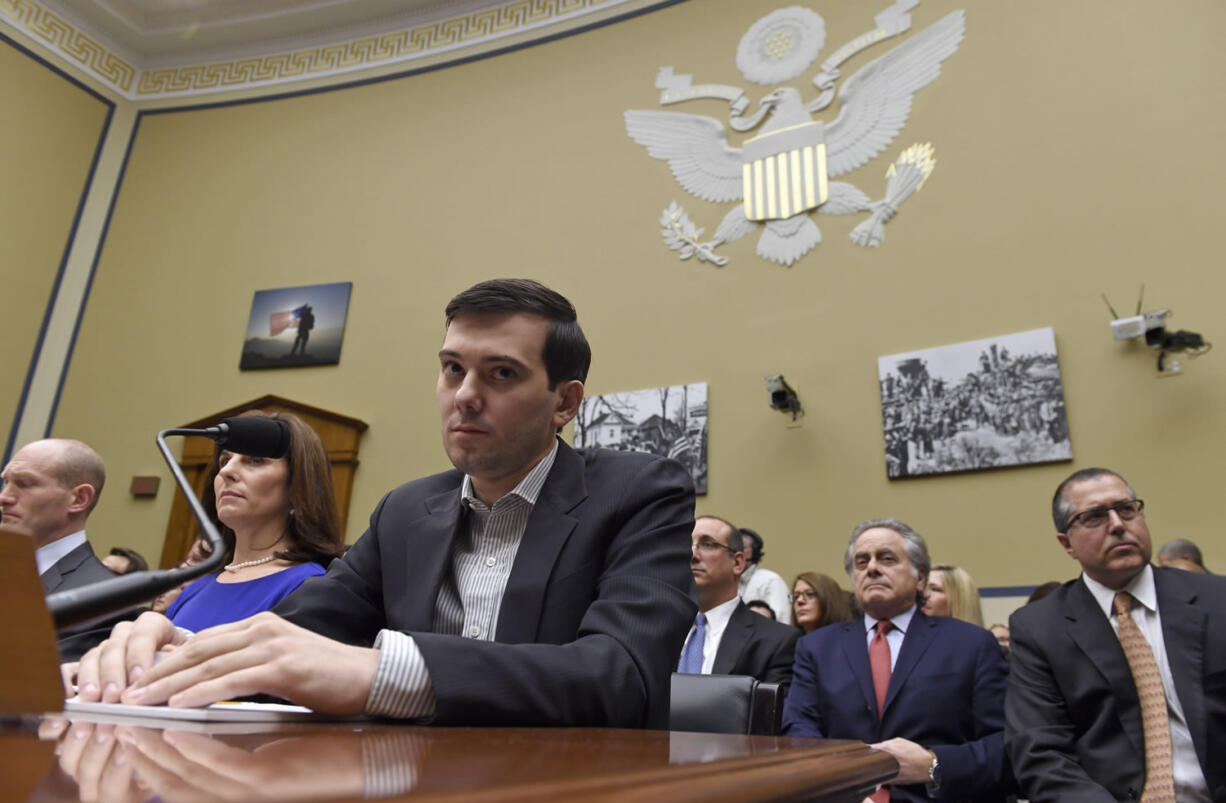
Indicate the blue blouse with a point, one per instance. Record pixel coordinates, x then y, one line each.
206 602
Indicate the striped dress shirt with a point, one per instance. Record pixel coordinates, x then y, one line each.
469 599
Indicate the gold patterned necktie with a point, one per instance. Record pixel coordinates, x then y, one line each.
1155 722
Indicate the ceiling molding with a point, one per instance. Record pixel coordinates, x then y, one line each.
432 30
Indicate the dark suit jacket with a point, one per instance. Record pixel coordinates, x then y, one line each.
946 693
596 604
1074 719
79 568
757 646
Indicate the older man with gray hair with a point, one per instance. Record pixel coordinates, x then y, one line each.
928 690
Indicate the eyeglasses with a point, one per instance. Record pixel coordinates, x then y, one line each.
1096 517
805 595
709 545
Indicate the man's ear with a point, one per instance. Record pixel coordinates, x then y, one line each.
570 393
82 497
739 562
1068 546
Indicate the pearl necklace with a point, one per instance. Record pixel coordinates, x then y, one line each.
233 567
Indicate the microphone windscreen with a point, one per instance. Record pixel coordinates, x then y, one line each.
256 436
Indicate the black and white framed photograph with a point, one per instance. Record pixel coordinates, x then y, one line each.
974 405
670 421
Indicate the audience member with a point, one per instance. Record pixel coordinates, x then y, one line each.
199 551
952 592
761 608
122 560
817 601
534 584
759 583
727 639
1180 553
1002 636
928 690
278 520
1042 591
1116 690
50 488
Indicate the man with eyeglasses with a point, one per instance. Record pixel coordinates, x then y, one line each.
1118 681
727 638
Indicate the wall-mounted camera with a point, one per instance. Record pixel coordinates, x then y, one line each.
782 397
1152 326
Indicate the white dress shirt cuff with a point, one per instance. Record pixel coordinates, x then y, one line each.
402 688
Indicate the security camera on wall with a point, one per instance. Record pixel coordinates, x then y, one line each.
782 397
1152 327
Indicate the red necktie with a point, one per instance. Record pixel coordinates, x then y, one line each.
879 662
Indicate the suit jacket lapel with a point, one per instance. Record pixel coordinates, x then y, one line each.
1183 630
855 648
920 635
1092 634
428 546
736 635
549 527
57 574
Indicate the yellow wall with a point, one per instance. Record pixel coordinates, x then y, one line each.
1078 149
45 163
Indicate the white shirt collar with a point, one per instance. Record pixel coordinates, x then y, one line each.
1142 587
48 555
901 622
717 617
528 489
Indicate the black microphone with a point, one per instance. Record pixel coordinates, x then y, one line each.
248 435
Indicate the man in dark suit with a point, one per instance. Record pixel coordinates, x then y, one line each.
1078 725
532 585
50 488
928 690
728 638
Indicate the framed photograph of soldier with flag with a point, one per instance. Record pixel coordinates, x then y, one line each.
296 326
669 421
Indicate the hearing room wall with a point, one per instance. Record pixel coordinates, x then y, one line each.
1078 151
45 163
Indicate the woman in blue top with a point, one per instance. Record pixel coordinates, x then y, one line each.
279 522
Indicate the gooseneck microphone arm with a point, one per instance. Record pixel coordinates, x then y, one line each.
261 437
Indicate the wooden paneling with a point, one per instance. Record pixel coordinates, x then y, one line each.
341 436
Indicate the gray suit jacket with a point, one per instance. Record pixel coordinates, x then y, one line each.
1072 711
77 569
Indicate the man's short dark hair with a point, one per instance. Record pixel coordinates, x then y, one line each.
567 354
735 541
1062 509
1181 549
759 548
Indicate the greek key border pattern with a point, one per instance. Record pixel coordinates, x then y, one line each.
61 36
314 62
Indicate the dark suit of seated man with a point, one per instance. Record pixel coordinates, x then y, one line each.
1078 723
50 488
939 710
728 638
532 585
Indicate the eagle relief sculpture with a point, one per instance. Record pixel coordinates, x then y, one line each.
783 173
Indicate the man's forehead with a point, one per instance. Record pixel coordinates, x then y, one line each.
714 528
1104 488
514 335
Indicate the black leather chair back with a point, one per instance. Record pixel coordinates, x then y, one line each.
725 704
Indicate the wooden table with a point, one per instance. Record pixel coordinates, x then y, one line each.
57 759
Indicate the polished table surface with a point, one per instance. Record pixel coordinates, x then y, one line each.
82 759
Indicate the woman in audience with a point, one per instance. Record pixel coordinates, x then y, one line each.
279 523
952 592
818 601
